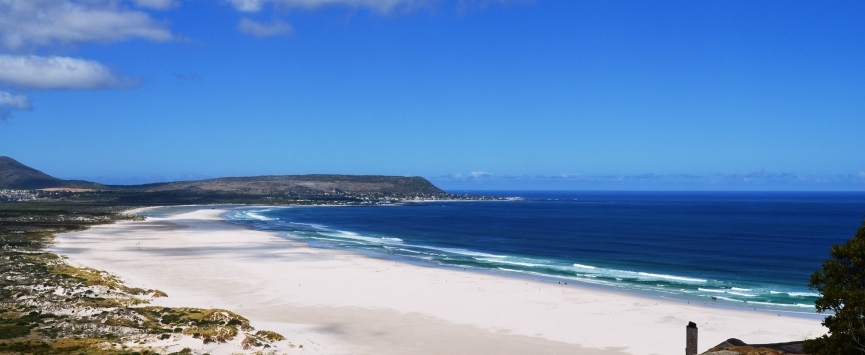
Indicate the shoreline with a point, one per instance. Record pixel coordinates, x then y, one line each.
798 309
551 280
370 305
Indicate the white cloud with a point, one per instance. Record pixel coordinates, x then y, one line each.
247 5
9 102
45 22
34 72
17 102
378 5
156 4
258 29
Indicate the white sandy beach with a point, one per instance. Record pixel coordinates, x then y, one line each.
335 302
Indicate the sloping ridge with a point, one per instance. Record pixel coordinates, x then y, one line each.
17 176
300 185
14 175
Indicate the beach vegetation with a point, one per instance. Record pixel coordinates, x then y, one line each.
250 341
270 336
49 306
60 346
840 284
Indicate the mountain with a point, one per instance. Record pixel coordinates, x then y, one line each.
17 176
14 175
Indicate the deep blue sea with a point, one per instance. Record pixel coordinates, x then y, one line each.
749 249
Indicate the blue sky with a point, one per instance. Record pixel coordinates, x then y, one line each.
472 94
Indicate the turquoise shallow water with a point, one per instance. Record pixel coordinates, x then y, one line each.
754 250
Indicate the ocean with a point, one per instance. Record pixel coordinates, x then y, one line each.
738 249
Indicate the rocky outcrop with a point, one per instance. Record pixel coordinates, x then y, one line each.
735 346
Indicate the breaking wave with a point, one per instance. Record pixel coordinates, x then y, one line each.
684 287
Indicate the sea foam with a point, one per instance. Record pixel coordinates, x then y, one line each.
333 233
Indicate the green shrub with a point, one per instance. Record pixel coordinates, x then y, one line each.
841 285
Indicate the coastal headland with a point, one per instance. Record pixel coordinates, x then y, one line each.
19 182
338 302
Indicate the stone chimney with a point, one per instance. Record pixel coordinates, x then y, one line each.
691 339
